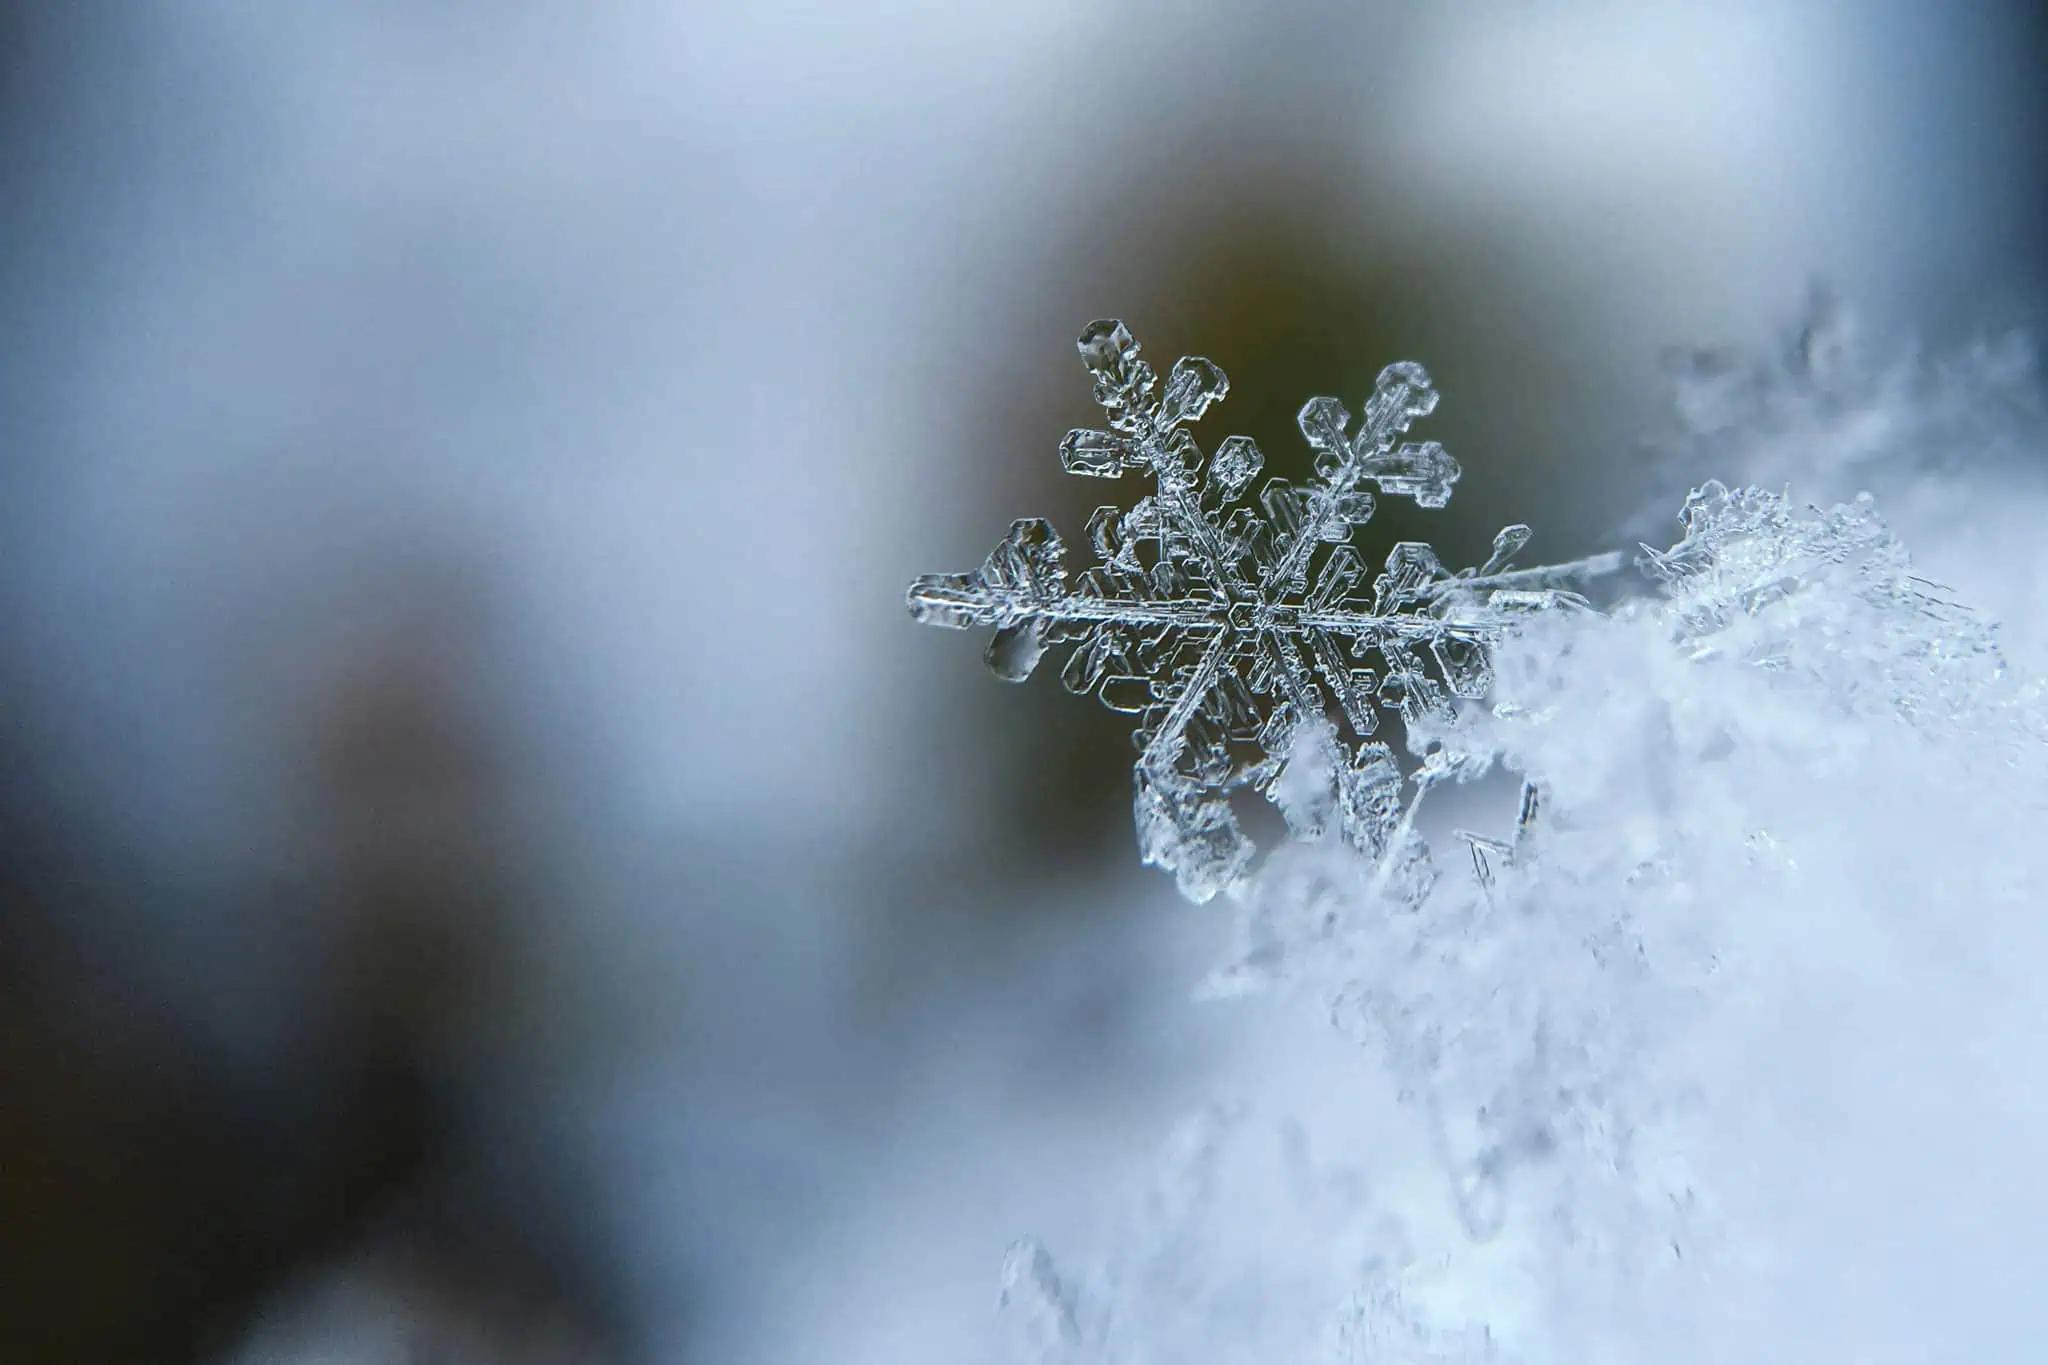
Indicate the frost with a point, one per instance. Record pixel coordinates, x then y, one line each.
1767 896
1839 412
1950 439
1248 640
1728 1047
1830 594
1037 1305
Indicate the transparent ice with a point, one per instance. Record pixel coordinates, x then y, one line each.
1249 640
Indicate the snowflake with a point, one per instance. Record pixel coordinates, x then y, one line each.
1221 625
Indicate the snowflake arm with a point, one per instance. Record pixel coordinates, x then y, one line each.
1219 625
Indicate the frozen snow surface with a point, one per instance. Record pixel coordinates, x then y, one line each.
1729 1045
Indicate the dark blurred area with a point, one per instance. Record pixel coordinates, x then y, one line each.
491 872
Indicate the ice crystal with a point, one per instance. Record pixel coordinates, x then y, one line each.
1829 593
1623 1094
1949 439
1731 1048
1247 638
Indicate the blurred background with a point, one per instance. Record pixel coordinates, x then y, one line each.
491 872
